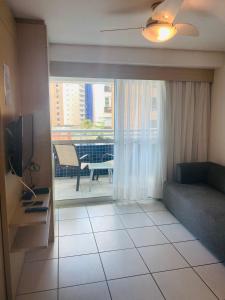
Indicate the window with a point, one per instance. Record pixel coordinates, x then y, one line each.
107 88
82 105
107 102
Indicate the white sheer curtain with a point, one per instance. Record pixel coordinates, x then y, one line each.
140 165
188 119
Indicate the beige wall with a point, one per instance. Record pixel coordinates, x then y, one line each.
96 70
34 84
217 136
136 56
24 49
10 187
33 67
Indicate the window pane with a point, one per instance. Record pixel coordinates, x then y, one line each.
82 105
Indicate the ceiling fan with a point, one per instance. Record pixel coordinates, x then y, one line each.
160 26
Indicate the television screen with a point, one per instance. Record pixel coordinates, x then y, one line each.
20 143
27 140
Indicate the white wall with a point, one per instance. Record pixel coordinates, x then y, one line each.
136 56
217 136
161 58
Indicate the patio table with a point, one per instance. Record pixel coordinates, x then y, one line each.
106 165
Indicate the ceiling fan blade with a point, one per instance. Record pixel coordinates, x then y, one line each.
167 10
187 29
121 29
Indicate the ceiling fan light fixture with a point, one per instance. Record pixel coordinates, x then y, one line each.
159 32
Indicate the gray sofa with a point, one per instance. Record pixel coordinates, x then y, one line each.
197 199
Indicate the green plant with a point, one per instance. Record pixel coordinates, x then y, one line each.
87 124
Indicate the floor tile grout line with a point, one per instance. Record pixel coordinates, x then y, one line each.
111 279
129 276
208 264
115 212
93 233
130 228
100 258
168 270
113 250
146 266
64 287
190 265
105 251
119 249
89 283
81 284
126 229
183 258
36 292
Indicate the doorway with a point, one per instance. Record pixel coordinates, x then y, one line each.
82 115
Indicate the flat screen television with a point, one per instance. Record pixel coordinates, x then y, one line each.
20 143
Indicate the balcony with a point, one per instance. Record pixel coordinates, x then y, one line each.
107 110
77 136
94 142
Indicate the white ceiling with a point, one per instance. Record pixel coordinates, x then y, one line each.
79 22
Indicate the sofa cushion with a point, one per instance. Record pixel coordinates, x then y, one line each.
202 210
216 177
202 197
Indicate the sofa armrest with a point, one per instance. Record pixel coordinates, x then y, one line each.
188 173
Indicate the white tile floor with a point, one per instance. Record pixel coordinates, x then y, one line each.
136 251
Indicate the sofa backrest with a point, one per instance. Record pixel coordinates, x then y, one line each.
194 172
216 177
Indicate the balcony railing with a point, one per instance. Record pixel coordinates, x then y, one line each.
81 136
94 136
107 109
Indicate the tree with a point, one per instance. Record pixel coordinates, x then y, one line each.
86 124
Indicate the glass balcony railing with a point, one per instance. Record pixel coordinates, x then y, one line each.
69 135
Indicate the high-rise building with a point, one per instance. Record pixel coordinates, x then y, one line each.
67 103
89 101
103 104
56 103
74 103
109 105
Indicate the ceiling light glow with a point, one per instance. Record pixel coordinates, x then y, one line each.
159 32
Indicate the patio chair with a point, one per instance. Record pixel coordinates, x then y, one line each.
67 156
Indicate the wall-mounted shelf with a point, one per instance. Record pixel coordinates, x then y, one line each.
32 229
31 237
21 218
